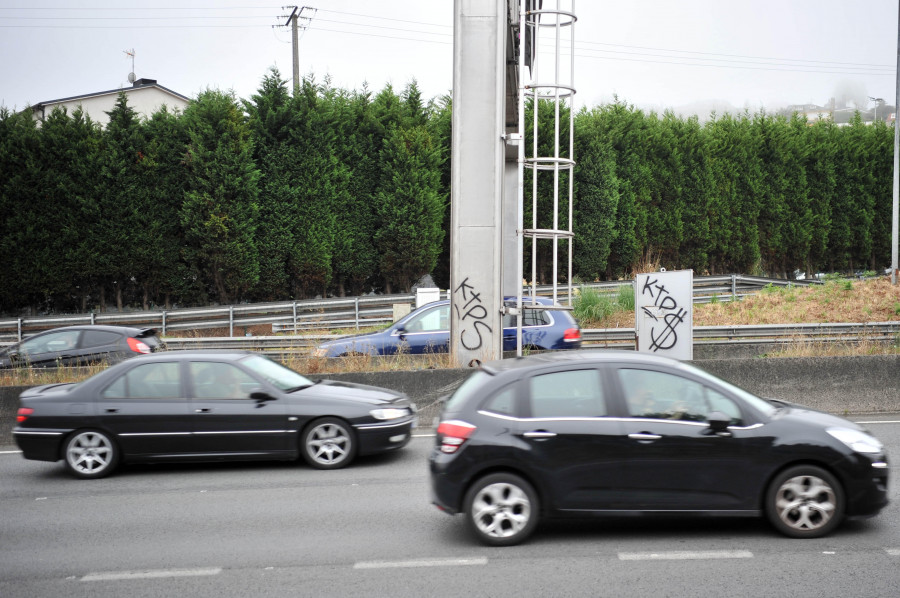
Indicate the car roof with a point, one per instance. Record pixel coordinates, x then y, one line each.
575 357
219 354
102 327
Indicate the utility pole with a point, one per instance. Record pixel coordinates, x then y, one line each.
297 13
895 212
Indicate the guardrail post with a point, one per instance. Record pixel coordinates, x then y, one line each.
294 306
356 311
231 320
19 329
93 321
733 288
164 322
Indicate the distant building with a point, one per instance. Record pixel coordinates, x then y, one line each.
145 96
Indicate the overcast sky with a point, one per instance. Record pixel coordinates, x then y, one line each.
651 53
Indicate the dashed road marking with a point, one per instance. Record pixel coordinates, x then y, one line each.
684 555
420 563
151 574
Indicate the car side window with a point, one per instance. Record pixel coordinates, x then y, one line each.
433 320
98 338
660 395
530 317
147 381
50 343
719 402
503 402
575 393
217 380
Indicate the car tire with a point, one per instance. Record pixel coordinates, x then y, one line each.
90 454
328 443
805 502
501 509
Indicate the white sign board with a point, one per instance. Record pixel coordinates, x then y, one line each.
664 313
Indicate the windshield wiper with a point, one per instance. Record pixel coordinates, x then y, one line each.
302 386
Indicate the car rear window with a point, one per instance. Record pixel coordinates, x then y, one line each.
469 388
98 338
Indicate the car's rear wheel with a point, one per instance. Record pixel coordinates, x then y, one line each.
328 443
501 509
91 454
805 502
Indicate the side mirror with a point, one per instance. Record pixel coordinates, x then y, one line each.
259 395
401 331
719 422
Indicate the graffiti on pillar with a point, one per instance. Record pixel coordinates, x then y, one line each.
471 314
668 315
664 301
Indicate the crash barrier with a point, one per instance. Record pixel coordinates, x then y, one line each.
840 385
347 312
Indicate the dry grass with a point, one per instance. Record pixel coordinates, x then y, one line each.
874 300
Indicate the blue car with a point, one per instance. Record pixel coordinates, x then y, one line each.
427 330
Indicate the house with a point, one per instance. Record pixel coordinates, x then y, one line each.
145 96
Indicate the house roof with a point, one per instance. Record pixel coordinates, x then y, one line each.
137 85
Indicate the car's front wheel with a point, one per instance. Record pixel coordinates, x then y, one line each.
501 509
805 502
91 454
328 443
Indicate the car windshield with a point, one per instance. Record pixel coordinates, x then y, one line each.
761 405
275 373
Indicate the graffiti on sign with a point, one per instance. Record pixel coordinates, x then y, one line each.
471 315
667 315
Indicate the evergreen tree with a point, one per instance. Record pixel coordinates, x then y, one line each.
409 208
220 205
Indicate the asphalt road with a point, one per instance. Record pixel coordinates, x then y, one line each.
277 529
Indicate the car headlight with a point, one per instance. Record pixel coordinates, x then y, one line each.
856 440
389 413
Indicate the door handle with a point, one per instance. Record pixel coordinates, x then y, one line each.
539 434
644 437
112 410
203 410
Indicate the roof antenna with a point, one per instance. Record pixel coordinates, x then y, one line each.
131 77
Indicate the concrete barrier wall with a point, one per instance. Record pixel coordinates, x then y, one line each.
841 385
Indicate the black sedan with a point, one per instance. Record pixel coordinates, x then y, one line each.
620 433
205 406
80 345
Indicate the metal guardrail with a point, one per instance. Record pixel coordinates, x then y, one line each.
326 313
596 337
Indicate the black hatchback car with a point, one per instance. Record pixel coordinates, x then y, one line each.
621 433
207 406
81 345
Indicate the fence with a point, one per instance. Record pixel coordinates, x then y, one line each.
315 314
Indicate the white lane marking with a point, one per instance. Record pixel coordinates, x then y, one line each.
421 563
10 452
682 555
882 421
151 574
893 551
431 435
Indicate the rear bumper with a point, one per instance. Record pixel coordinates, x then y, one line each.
40 444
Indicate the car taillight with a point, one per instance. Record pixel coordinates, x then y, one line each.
572 334
138 346
23 414
453 434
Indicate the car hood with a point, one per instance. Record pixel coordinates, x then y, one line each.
808 415
362 339
359 393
